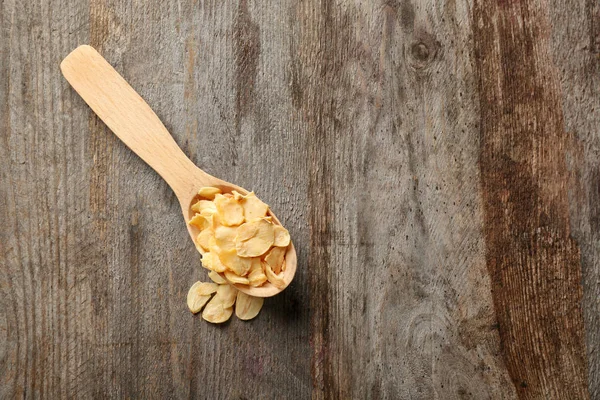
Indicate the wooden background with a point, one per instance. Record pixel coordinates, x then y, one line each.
437 163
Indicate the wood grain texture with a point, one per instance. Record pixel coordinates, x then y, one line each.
533 260
575 45
394 213
372 130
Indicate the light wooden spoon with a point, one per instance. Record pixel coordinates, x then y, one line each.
131 119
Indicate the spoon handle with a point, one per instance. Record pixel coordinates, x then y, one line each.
124 111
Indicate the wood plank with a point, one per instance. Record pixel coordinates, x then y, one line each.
399 289
45 286
198 358
575 46
533 261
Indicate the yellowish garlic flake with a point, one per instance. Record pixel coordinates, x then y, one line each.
275 259
195 302
246 231
240 266
282 236
225 237
275 279
216 278
231 212
199 294
208 192
247 307
226 295
201 221
212 262
206 288
254 238
204 205
253 207
256 277
233 278
216 312
209 212
203 239
237 195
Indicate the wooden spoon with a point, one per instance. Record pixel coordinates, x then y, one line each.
131 119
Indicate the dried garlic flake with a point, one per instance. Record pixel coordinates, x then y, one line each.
275 258
230 211
199 294
212 262
203 239
203 205
226 295
233 278
216 313
256 277
235 263
201 221
274 278
216 278
225 237
209 192
247 307
253 207
254 238
282 236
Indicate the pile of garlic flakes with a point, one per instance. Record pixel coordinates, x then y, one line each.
224 296
239 244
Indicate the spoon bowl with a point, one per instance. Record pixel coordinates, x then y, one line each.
133 121
265 290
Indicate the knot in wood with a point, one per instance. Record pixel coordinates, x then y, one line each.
422 51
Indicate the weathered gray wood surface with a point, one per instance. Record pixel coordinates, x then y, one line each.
435 161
